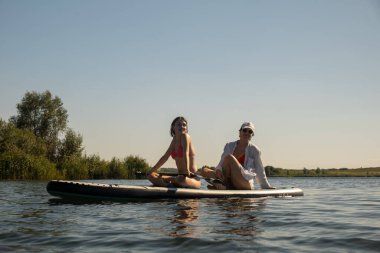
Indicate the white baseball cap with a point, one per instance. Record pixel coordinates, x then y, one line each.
249 125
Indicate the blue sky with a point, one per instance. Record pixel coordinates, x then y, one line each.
305 72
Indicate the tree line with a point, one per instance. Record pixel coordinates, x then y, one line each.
318 172
37 144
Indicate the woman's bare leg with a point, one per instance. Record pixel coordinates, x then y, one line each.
227 167
232 174
186 182
160 180
207 173
239 182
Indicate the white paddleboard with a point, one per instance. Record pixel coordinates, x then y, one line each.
84 190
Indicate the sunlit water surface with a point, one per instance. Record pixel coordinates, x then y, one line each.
335 215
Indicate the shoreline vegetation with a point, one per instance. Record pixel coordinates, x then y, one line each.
37 144
341 172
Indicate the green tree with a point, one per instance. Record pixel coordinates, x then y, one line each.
45 116
117 169
272 171
74 167
97 168
268 170
136 166
14 140
23 155
26 167
71 145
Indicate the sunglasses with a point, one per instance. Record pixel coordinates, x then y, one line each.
247 130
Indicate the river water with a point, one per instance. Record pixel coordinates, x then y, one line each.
335 215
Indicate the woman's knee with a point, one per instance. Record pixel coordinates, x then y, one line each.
183 181
193 183
228 158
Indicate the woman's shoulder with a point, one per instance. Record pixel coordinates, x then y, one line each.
185 137
231 143
254 148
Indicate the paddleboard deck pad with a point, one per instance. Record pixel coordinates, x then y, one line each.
85 190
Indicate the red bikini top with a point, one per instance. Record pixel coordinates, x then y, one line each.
179 152
241 159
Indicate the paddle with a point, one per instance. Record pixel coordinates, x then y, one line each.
211 181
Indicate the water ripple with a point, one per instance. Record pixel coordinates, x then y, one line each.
326 218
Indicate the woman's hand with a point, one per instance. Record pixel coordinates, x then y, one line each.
151 171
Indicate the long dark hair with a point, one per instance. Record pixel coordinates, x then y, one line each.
172 133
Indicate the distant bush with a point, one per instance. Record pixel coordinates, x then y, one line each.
74 167
117 169
14 140
136 166
97 168
23 166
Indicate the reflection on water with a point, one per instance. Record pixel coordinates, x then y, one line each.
33 221
199 217
240 216
33 213
76 201
185 214
227 216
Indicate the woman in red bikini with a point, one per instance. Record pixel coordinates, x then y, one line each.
240 164
181 149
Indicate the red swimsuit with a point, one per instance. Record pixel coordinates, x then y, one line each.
241 159
179 152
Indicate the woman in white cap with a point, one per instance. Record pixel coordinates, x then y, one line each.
240 164
181 149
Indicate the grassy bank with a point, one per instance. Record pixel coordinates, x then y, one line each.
342 172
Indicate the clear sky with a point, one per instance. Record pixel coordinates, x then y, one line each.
307 73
